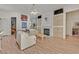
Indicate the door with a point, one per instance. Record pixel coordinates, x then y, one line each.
13 25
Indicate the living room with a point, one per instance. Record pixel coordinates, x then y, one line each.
34 28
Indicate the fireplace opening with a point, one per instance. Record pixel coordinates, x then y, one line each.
46 31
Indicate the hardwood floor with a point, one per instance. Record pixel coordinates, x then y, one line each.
45 46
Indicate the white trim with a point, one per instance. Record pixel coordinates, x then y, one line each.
72 10
58 14
64 24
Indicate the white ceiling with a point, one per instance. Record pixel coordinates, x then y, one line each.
27 7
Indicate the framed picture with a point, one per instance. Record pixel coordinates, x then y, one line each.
24 24
24 17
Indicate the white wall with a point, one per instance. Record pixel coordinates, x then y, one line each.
71 7
6 21
48 23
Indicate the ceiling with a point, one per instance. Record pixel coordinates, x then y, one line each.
27 7
24 8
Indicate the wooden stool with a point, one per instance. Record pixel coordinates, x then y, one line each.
40 35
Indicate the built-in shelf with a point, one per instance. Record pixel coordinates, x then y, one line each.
58 26
75 31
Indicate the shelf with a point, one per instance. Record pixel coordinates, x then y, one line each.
57 26
75 31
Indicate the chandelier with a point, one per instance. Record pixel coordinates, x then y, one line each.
34 11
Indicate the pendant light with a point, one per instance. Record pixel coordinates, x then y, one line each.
34 11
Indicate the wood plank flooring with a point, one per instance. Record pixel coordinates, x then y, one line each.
45 46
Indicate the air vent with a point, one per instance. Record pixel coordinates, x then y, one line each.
59 11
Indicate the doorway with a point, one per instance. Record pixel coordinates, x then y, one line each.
72 23
13 26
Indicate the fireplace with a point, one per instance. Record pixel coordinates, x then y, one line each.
46 31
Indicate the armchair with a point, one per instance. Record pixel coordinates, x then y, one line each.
26 39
